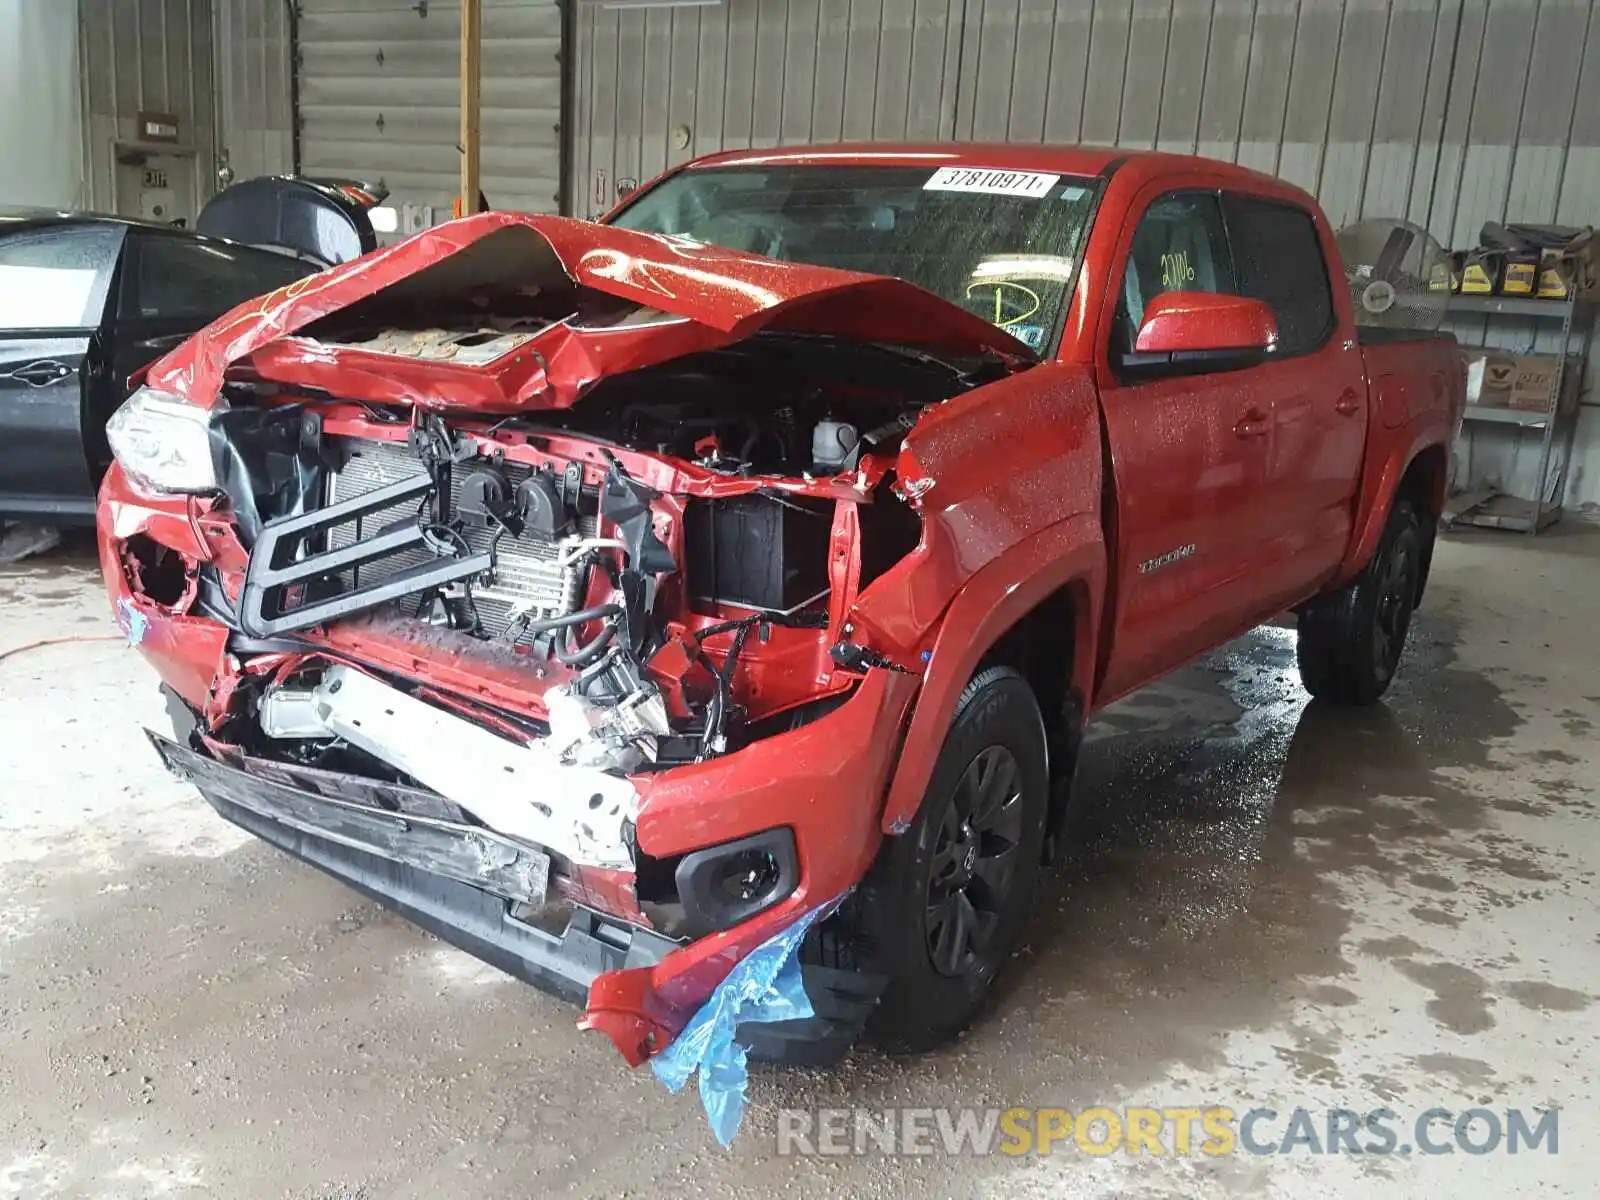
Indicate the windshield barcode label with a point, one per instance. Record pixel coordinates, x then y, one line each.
997 183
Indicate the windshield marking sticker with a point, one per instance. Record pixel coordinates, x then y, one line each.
991 182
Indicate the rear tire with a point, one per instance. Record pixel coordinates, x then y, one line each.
1350 640
944 904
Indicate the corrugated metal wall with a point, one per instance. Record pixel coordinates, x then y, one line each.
255 95
379 98
41 98
152 55
658 86
1448 112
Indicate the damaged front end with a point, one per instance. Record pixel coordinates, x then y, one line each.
579 687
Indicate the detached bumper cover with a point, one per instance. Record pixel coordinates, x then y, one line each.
414 853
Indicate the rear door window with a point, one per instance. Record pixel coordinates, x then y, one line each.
57 278
194 279
1278 256
1180 245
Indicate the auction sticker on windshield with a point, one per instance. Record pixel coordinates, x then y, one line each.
995 183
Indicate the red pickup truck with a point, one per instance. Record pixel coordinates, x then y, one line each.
612 598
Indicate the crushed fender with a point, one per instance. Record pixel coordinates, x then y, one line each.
764 986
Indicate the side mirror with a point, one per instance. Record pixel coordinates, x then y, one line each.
1204 330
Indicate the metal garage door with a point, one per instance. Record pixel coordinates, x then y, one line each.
379 98
657 86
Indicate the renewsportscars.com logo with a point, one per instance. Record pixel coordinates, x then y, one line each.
1214 1132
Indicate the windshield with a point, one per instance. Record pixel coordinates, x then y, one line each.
1001 244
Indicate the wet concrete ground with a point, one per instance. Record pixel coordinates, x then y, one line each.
1268 904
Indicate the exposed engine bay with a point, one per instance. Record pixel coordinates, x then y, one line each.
657 561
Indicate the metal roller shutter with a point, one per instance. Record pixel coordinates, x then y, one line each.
379 98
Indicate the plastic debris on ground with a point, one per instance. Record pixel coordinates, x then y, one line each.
24 539
763 986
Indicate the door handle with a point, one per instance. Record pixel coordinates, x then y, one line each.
1348 404
1253 424
42 374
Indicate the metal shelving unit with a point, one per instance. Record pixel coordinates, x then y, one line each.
1512 306
1487 506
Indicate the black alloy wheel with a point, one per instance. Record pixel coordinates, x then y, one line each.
1397 591
945 903
974 862
1349 641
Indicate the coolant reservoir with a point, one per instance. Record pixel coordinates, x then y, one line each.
835 446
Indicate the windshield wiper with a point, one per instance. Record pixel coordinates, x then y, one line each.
961 367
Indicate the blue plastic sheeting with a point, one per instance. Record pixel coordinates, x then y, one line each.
134 623
763 986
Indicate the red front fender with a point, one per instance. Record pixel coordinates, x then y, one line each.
1070 553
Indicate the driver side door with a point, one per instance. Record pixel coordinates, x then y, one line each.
176 283
1190 449
54 281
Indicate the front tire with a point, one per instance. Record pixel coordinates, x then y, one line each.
944 904
1350 641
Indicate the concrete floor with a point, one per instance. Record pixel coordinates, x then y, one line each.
1269 904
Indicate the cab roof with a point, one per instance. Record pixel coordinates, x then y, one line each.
1085 161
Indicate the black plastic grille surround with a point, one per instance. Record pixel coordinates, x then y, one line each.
294 580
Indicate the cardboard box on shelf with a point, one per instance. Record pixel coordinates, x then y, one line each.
1477 364
1523 381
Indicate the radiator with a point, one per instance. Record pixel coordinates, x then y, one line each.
528 575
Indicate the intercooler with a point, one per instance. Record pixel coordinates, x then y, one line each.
528 573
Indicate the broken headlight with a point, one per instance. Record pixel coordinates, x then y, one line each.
163 442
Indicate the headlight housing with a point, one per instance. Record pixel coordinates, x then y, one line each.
163 442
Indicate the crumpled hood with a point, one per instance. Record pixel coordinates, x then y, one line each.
710 297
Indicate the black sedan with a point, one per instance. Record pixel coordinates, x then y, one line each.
84 302
87 300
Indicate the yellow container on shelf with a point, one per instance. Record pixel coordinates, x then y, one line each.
1480 274
1556 271
1520 276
